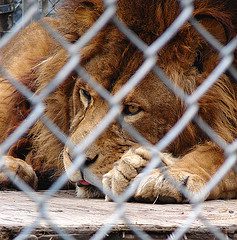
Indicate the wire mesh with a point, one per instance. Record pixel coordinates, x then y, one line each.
20 14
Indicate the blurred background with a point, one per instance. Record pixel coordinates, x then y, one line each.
11 11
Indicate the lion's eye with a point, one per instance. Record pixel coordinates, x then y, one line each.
131 110
85 94
198 63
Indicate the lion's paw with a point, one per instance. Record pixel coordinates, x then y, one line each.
18 168
128 168
159 186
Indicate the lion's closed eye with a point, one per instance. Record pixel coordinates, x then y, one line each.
85 97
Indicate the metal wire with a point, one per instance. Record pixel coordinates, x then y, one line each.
22 13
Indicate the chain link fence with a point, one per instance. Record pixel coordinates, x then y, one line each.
21 13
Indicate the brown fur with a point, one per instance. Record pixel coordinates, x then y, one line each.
33 57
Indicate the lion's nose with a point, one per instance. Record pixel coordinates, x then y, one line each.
73 174
90 160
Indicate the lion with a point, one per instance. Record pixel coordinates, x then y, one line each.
116 158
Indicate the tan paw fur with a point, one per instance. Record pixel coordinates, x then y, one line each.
128 168
18 168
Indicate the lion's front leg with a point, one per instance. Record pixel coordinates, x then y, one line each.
19 168
193 171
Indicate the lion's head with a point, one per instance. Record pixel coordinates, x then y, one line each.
151 107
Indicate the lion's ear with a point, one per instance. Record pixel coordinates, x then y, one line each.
91 4
218 17
218 29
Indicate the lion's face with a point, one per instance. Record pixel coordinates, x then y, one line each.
152 115
151 108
